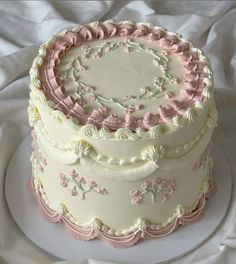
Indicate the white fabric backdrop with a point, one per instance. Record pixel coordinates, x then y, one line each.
211 25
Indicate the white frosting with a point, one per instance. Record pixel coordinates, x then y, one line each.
87 212
121 163
129 75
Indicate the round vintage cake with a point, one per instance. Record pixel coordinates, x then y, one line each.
122 116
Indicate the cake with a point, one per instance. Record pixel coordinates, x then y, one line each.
122 116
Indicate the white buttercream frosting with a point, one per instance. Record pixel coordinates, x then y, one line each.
146 158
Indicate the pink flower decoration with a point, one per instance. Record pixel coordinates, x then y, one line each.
33 134
164 197
134 192
63 183
163 187
73 191
44 162
209 149
139 106
164 182
136 200
41 169
62 176
63 180
146 185
73 173
169 94
202 157
76 177
159 180
164 52
82 180
102 190
77 184
154 181
92 184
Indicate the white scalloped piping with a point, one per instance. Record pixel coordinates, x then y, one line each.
67 152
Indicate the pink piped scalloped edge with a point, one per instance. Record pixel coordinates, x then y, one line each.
123 241
54 90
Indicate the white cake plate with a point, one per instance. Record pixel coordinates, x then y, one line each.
56 240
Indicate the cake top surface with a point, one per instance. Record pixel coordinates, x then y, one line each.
123 75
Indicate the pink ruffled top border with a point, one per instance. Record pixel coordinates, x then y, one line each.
54 90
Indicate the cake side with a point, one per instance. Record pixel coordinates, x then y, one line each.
121 212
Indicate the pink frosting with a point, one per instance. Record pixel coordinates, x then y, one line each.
55 91
122 241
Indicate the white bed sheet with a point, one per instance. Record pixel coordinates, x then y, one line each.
211 25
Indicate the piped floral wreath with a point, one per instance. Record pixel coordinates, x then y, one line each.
85 92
